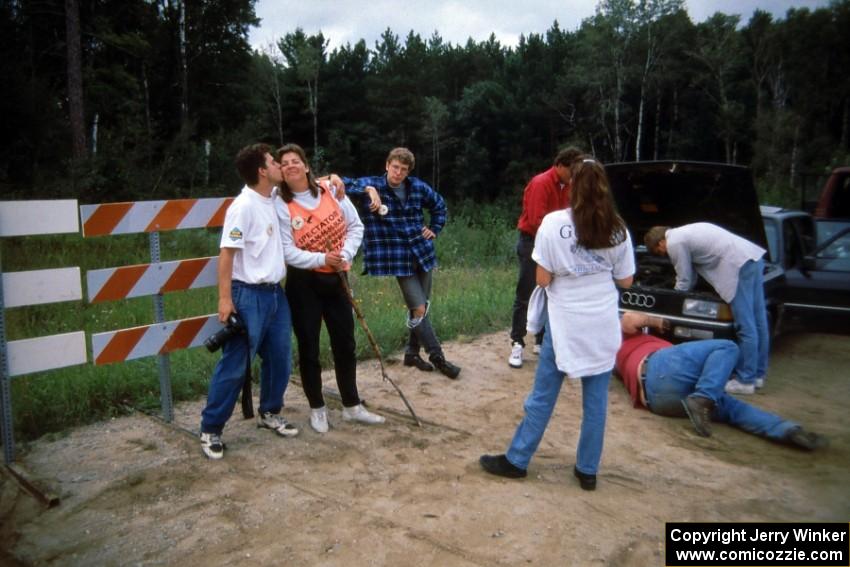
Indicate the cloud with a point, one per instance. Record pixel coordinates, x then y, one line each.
348 21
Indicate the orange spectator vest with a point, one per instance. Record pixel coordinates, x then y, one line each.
319 230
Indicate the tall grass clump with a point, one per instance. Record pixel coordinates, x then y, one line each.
473 293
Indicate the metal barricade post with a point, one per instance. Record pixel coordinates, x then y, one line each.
6 422
163 360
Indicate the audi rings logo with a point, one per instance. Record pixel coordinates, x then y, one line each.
637 300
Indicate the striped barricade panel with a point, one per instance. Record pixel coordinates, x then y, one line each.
152 216
111 284
150 340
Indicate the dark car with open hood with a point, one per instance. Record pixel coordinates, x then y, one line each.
672 193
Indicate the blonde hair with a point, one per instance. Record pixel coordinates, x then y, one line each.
403 155
655 235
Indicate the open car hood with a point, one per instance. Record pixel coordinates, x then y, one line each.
673 193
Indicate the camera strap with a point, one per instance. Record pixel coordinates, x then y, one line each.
247 396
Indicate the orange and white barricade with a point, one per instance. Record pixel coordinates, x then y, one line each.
154 279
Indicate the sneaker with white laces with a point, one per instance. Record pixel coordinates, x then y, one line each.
733 386
536 349
276 423
319 419
361 414
759 383
212 446
515 360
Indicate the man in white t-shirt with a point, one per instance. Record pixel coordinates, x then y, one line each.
734 267
250 267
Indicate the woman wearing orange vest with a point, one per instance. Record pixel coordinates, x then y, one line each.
320 238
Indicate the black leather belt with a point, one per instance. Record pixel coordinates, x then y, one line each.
265 286
642 377
645 365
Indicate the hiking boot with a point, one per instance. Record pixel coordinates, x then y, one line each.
733 386
807 440
499 465
319 419
361 414
586 481
418 362
699 411
444 366
515 359
276 423
212 446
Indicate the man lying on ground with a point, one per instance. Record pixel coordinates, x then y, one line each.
688 379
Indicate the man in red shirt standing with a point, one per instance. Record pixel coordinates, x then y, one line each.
546 192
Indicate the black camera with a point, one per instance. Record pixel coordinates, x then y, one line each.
234 327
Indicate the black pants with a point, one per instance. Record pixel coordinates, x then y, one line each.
314 296
525 284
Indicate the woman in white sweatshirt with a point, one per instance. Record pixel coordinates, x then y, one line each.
320 237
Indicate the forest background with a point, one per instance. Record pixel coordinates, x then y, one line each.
108 100
128 100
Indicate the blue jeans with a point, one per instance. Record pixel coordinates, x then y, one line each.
265 313
416 290
701 368
751 322
540 404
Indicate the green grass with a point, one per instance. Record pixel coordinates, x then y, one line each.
472 294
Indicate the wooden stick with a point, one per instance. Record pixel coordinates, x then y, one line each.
374 343
377 349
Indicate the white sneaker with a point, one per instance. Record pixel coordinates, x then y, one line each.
515 360
276 423
735 387
535 349
212 446
361 414
319 419
759 383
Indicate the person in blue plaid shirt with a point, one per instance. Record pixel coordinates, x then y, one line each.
398 243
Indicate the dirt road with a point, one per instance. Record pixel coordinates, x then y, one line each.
137 492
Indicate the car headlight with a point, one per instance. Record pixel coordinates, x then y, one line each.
707 309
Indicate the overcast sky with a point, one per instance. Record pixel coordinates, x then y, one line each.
347 21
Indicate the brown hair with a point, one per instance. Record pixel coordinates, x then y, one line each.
655 235
595 217
249 160
285 190
403 155
567 156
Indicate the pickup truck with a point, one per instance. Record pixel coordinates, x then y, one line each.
801 275
814 255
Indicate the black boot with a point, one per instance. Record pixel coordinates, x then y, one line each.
808 440
418 362
440 363
699 411
499 465
586 481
